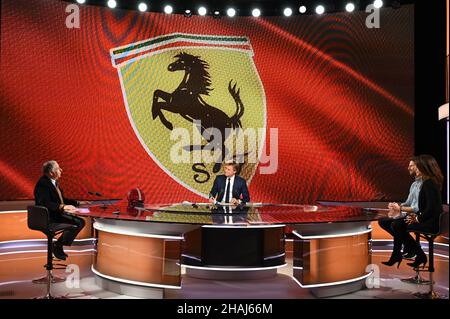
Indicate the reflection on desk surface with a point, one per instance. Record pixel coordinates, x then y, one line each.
249 214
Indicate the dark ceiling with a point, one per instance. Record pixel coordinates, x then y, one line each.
243 7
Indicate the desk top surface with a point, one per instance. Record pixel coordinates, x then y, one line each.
250 214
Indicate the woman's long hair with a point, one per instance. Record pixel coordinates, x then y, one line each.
429 168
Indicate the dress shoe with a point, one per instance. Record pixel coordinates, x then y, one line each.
421 259
58 251
408 255
392 261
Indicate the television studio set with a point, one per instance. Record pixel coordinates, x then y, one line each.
244 150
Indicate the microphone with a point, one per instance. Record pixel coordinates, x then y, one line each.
104 205
95 193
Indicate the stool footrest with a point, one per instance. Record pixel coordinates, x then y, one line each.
429 295
416 280
44 280
422 270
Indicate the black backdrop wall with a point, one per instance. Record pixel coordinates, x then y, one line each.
430 53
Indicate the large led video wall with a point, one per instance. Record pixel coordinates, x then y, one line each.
312 107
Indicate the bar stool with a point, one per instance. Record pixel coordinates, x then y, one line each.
430 237
39 219
417 279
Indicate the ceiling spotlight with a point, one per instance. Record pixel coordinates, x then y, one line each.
302 9
320 9
287 12
256 12
188 13
81 1
378 4
216 14
112 4
201 11
142 7
231 12
168 9
349 7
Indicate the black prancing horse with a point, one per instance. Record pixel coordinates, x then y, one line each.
187 101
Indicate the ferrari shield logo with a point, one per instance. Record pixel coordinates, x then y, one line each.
194 102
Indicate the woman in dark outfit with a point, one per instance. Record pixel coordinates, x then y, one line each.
427 219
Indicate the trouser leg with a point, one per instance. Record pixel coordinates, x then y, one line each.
69 235
386 224
400 232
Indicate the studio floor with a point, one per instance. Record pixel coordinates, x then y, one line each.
19 266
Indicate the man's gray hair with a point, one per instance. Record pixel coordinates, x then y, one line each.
48 167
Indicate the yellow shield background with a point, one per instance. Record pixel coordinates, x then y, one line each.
140 77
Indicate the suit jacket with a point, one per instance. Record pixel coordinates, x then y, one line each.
240 190
45 194
430 205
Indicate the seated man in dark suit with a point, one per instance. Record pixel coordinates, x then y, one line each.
48 194
230 188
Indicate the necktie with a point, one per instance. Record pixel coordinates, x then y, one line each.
59 193
227 191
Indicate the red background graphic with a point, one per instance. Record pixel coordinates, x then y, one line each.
340 94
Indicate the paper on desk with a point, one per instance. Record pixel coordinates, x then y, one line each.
225 204
254 204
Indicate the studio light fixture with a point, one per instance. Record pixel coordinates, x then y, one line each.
231 12
320 9
168 9
287 12
378 4
202 11
349 7
142 7
256 12
112 4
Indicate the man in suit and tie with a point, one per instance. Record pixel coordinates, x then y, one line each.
48 194
230 188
